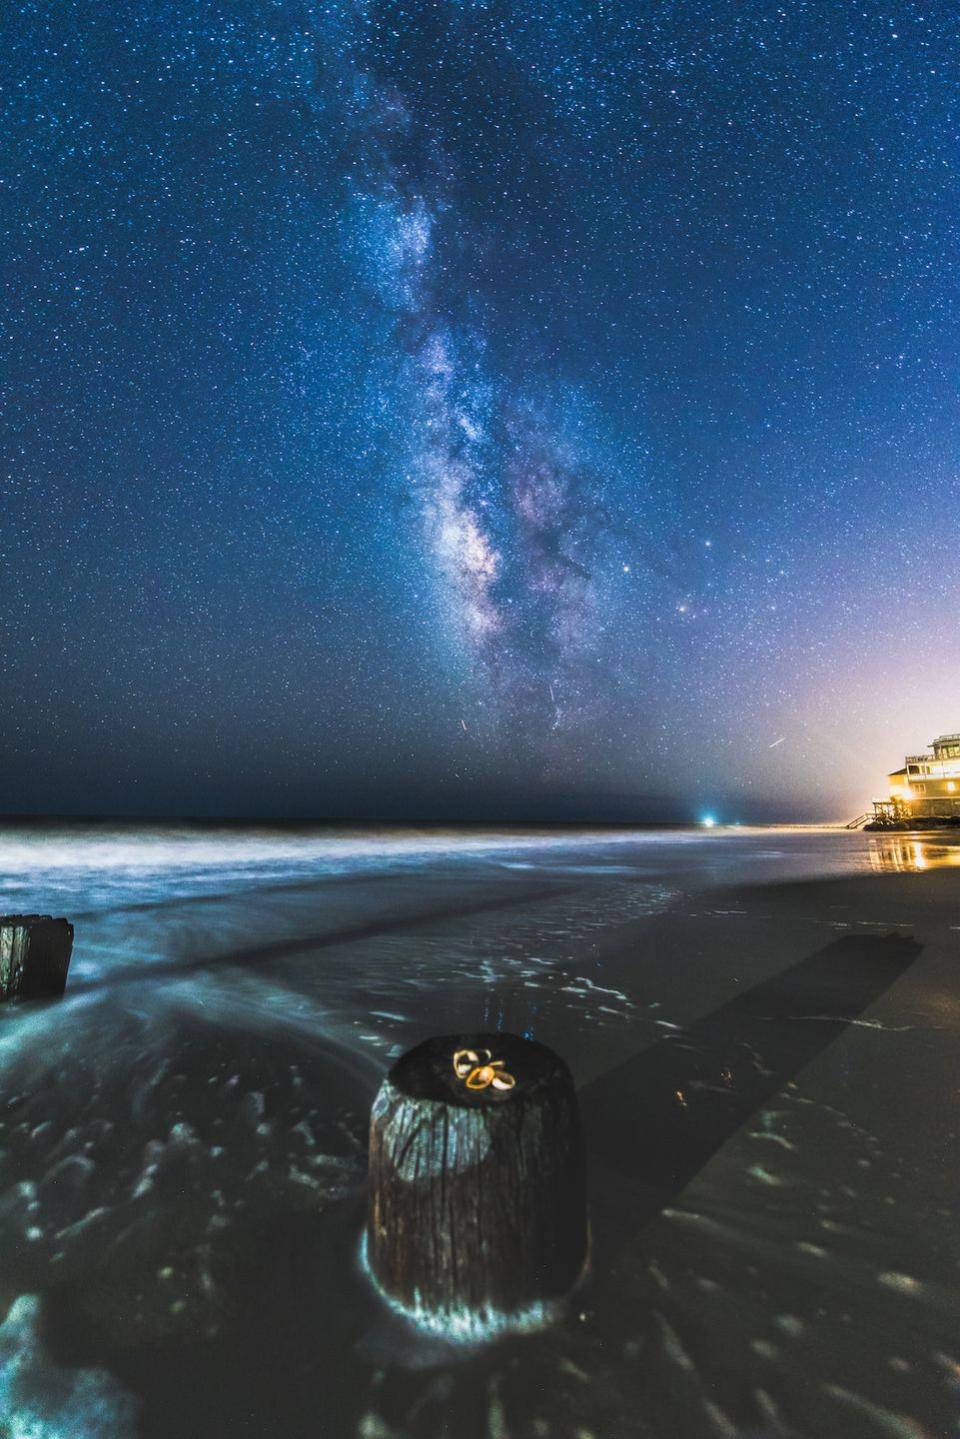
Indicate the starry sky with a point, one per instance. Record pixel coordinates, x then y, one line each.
470 410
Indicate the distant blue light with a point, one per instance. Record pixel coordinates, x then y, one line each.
708 821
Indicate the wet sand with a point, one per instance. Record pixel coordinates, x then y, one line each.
767 1070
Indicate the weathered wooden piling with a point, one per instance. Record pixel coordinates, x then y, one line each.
477 1218
34 956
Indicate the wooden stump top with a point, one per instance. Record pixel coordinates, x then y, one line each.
26 921
427 1073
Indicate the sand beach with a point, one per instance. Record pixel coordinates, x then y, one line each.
763 1026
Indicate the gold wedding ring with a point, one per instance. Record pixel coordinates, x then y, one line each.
467 1059
479 1070
481 1077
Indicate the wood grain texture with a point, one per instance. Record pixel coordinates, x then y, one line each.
477 1201
34 956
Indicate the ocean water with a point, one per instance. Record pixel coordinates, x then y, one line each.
183 1139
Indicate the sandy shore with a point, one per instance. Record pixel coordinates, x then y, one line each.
768 1074
805 1280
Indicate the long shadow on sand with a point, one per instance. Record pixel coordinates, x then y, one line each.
306 1350
653 1122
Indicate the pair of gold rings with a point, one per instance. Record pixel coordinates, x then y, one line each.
479 1070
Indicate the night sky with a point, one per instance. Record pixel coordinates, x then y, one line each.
476 410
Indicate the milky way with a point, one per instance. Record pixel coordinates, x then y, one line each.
512 517
477 409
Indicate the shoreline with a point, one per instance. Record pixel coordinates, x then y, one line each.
348 825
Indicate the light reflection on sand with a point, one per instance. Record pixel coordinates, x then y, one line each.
911 854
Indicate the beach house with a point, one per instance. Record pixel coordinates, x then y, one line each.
927 785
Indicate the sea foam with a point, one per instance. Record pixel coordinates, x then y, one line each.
40 1400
